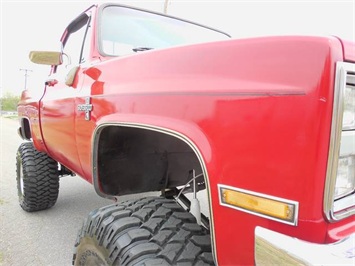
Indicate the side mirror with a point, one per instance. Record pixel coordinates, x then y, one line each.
46 58
70 78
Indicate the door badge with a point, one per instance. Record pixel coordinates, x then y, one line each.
87 108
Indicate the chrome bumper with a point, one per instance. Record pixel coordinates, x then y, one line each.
272 248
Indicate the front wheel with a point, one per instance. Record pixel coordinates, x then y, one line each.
37 178
148 231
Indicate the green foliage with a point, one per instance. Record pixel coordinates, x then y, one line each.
9 102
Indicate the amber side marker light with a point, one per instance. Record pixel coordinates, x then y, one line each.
274 208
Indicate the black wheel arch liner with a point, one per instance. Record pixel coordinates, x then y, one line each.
99 135
25 129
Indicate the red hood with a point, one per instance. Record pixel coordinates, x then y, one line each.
349 50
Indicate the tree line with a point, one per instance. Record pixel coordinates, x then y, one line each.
8 102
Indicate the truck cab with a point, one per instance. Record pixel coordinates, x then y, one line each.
261 129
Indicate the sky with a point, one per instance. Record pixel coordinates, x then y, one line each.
38 25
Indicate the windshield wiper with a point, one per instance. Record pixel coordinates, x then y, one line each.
141 49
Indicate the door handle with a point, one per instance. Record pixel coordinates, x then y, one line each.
51 82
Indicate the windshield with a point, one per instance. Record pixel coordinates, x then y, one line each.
124 30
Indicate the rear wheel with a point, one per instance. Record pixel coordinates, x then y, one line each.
37 178
148 231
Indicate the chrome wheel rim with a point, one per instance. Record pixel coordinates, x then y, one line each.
21 180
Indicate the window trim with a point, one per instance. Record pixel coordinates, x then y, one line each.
99 24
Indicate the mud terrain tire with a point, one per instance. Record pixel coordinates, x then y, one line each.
148 231
37 179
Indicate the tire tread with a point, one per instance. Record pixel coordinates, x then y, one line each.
153 231
40 178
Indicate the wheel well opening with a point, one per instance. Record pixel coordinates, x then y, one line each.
134 160
26 130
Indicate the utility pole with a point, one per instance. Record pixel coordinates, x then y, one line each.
26 75
166 7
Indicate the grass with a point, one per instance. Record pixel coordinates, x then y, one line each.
13 117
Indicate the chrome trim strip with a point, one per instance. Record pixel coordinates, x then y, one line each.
334 146
344 203
266 196
96 137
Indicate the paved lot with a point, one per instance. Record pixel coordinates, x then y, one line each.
40 238
45 237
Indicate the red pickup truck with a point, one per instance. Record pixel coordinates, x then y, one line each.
138 101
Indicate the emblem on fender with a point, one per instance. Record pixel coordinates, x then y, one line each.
87 108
